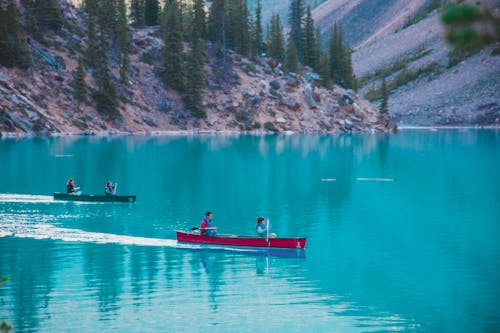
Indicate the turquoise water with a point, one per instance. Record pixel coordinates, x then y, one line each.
417 249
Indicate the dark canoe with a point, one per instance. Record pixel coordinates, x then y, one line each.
94 197
242 241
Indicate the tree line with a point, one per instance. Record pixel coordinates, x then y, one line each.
186 28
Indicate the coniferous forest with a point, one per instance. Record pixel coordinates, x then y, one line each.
191 31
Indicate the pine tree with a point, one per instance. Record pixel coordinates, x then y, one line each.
105 95
173 50
384 105
348 79
195 82
137 13
310 51
217 22
107 18
14 50
199 23
90 7
32 27
78 84
91 55
295 22
48 15
292 59
275 43
151 12
4 52
123 41
324 69
335 53
257 38
237 29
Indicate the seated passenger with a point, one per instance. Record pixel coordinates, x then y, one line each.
207 227
109 189
261 227
71 188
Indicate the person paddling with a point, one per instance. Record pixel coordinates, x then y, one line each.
207 227
109 189
261 227
70 186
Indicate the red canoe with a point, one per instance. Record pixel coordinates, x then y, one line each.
243 241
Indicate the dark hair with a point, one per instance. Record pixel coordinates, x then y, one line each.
260 219
208 213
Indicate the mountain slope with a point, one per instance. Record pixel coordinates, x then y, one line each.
464 94
364 20
252 96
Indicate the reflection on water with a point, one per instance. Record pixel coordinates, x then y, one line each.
381 256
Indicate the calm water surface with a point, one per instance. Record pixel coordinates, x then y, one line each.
420 253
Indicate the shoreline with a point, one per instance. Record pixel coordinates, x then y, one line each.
116 133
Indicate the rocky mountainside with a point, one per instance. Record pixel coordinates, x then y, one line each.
364 20
427 88
253 97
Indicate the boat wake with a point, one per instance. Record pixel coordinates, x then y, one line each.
38 230
25 198
48 231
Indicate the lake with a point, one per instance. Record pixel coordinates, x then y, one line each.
403 233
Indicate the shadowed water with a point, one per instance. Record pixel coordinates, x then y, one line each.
403 233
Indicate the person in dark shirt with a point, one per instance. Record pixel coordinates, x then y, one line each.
109 189
70 186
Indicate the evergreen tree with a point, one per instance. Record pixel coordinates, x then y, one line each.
90 7
257 38
384 105
173 50
151 12
105 95
48 15
292 59
341 70
78 84
14 50
107 18
295 22
195 82
4 37
32 27
137 13
199 23
348 79
237 30
123 41
217 22
275 43
91 54
324 69
310 51
336 53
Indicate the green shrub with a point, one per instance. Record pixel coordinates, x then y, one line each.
269 126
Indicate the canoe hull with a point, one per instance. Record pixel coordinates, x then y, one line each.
242 241
93 197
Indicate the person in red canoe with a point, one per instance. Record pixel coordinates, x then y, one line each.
109 189
262 229
71 188
207 227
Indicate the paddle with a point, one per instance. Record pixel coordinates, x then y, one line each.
114 190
